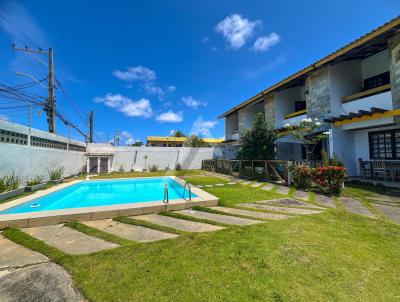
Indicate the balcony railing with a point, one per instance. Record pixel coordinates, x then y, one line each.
297 113
366 93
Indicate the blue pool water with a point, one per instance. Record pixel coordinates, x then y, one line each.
103 193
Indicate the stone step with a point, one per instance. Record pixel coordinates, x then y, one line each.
325 201
257 184
268 187
219 218
68 240
128 231
253 214
301 194
355 206
178 224
391 213
283 190
13 255
39 282
290 202
246 182
279 209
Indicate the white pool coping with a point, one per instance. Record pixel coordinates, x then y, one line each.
99 212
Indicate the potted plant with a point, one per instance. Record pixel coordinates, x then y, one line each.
55 175
35 183
9 186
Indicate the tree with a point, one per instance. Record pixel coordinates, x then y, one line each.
195 141
178 133
304 134
258 142
137 144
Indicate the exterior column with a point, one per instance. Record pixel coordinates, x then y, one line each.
87 164
394 66
98 165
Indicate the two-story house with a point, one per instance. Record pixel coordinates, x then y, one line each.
354 92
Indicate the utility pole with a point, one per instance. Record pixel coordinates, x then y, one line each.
50 107
29 124
91 126
117 138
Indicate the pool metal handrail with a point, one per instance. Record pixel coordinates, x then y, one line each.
189 189
166 194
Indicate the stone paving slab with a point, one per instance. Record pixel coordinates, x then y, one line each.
325 201
219 185
279 209
301 194
254 214
178 224
232 183
391 212
128 231
209 186
384 198
283 190
68 240
39 282
355 206
290 202
219 217
13 255
257 184
268 187
246 182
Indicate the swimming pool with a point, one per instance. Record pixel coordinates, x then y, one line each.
93 193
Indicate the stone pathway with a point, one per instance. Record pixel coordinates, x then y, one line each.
128 231
219 218
268 187
68 240
246 182
13 255
290 202
301 194
279 209
325 201
178 224
355 206
40 282
283 190
253 214
392 213
257 184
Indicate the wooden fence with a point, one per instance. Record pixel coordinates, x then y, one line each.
264 170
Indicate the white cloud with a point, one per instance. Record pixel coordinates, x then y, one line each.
170 117
171 88
237 30
202 128
191 102
263 44
137 73
4 117
140 108
151 88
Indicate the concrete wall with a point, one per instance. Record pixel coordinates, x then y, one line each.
249 113
28 161
284 103
375 64
269 109
231 125
138 158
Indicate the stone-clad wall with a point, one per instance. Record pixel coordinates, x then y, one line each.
318 96
394 65
241 120
269 109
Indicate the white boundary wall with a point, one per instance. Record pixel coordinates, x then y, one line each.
28 161
139 158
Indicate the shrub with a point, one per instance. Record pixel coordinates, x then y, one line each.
153 168
35 181
56 173
329 179
178 167
167 168
302 176
121 169
9 183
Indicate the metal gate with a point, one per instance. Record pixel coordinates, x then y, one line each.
103 164
93 165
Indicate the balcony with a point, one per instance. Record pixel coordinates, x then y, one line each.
367 93
294 117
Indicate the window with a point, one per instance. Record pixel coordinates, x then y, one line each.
385 144
299 105
377 81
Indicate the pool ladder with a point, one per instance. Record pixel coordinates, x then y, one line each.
189 190
166 194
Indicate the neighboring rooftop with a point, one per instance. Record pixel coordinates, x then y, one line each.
180 139
364 46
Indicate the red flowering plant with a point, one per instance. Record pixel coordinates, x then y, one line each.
302 176
329 179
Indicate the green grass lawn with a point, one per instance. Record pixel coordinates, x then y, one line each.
333 256
209 180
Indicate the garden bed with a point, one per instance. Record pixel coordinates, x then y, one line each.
10 194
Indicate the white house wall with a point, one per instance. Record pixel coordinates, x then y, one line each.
375 64
284 103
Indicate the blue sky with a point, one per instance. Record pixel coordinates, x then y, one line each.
150 67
